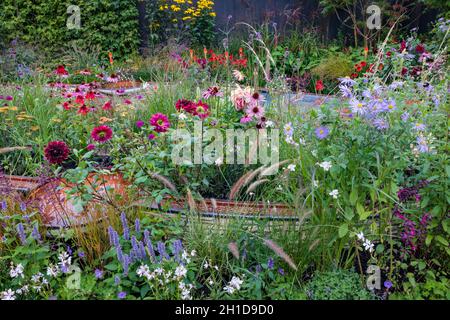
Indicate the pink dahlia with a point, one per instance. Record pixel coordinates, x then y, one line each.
56 152
101 134
160 122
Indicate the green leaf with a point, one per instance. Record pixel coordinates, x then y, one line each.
354 196
442 240
363 214
343 230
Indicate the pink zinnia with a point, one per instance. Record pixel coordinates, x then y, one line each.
160 122
101 134
90 147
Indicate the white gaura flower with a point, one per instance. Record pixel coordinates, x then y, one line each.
235 282
334 193
52 270
229 289
368 245
291 167
182 116
218 162
269 124
143 270
180 272
206 265
17 271
315 183
193 253
360 236
8 295
326 165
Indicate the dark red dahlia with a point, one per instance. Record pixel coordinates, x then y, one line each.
101 134
420 48
185 105
56 152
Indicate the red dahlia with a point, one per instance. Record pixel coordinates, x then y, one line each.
186 105
56 152
101 134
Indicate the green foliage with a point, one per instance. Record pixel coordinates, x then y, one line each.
337 285
110 24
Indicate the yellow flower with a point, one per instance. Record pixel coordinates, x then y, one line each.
13 108
212 14
56 120
34 128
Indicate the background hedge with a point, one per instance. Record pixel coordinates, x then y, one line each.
110 24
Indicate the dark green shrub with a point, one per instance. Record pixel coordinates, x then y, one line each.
337 285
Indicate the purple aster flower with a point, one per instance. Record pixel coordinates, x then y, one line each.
288 129
347 82
23 207
98 273
380 124
21 233
322 132
422 144
387 284
357 106
258 268
405 116
116 280
419 126
140 123
345 91
81 254
122 295
390 105
281 271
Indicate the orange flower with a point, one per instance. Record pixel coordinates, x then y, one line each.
111 60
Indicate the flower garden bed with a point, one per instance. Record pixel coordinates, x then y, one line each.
196 183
